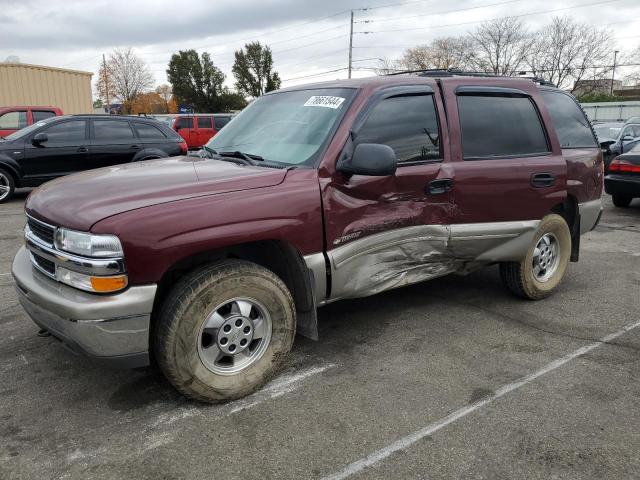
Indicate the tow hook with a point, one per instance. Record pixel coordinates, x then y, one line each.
43 333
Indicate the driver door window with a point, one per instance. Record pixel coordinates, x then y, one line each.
408 124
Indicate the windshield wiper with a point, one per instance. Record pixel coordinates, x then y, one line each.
245 156
211 153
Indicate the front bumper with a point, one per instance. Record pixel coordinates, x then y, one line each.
113 328
626 185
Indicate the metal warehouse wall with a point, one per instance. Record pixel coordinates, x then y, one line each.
24 84
611 111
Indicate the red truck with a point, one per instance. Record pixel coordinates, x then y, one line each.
198 129
13 119
209 265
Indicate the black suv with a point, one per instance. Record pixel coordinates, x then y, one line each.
62 145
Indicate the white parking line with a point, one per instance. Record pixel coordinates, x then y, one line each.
412 438
4 274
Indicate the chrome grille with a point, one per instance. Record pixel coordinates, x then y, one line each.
41 230
46 265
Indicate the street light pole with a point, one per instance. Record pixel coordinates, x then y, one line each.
613 74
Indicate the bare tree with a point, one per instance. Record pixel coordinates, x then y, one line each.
165 93
387 66
631 75
501 46
126 77
566 53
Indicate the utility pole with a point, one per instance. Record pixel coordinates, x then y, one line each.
613 74
351 44
106 83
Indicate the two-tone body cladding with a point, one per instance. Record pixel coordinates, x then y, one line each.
310 195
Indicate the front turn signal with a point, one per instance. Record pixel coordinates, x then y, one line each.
109 284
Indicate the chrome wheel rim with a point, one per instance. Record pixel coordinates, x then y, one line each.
234 336
5 187
546 257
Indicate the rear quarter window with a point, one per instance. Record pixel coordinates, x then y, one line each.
572 126
148 132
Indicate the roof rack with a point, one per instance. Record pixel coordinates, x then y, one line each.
456 72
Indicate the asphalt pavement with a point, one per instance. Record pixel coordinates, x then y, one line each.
453 378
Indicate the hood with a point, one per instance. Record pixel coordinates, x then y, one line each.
79 201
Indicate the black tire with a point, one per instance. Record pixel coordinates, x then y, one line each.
519 277
621 201
178 333
6 182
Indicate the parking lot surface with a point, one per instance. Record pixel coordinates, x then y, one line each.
453 378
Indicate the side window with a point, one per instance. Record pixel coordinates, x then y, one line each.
184 122
221 121
408 124
204 122
13 120
112 130
73 131
39 115
500 126
148 132
570 123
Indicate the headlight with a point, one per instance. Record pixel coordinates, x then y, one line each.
88 245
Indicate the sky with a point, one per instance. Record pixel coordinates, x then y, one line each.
308 38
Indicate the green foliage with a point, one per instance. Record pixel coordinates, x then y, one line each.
253 70
198 82
599 97
98 103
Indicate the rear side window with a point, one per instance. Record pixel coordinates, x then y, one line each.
570 123
66 132
500 126
221 121
184 122
13 120
204 122
408 124
39 115
112 130
148 132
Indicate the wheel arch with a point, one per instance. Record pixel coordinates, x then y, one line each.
278 256
569 210
8 165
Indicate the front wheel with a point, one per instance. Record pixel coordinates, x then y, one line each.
7 186
224 330
542 270
621 201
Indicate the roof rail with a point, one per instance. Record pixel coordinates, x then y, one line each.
456 72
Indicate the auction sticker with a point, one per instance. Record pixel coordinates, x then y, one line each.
324 101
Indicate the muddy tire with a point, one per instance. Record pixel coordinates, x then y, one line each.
542 270
7 186
621 201
224 330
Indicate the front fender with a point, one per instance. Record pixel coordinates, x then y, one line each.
12 167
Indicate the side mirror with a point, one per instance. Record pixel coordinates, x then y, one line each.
627 138
39 138
372 159
606 144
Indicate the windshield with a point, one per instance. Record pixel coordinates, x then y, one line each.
286 127
27 130
607 131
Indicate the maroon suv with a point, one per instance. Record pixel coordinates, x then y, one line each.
312 194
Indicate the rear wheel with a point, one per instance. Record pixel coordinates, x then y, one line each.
621 201
542 270
224 331
7 185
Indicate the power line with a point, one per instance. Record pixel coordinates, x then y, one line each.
316 74
492 19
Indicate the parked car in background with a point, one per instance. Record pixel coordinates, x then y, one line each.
623 180
615 137
313 194
59 146
197 129
13 119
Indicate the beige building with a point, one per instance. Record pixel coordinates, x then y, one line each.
24 84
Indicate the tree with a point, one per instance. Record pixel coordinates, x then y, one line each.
150 102
441 53
565 53
196 81
501 46
166 94
253 70
97 103
124 77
